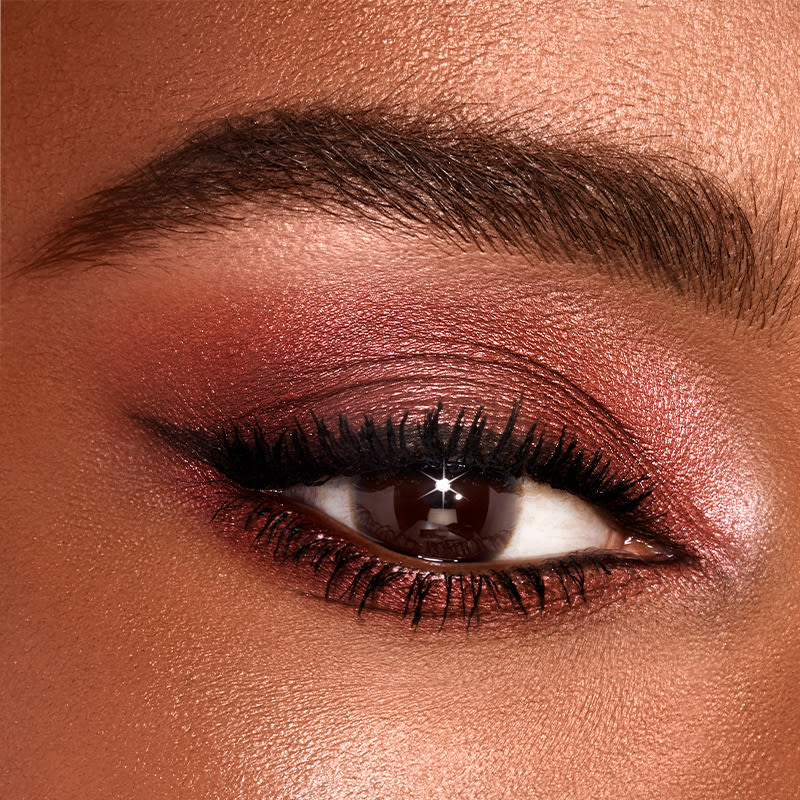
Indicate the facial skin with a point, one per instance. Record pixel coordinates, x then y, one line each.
144 656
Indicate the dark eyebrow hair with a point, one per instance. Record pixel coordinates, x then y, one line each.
495 186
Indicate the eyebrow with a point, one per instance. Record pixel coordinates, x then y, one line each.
470 181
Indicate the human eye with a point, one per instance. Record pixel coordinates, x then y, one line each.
442 518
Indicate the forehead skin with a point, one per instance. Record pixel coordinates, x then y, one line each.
163 709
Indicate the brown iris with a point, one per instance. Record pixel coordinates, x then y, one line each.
460 518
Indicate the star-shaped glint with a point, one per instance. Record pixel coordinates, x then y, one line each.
443 484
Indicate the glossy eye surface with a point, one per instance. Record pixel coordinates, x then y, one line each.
456 516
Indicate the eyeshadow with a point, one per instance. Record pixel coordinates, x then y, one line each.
339 347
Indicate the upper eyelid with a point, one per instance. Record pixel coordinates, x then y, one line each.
559 395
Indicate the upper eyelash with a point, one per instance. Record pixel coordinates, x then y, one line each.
244 455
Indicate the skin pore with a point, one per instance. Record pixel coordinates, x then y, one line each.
144 656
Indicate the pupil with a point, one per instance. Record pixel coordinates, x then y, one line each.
452 517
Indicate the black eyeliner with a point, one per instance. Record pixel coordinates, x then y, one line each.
241 452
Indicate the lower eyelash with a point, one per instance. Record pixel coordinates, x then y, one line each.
338 570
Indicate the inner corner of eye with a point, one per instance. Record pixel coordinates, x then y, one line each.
458 517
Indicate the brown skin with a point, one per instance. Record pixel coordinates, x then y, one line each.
144 658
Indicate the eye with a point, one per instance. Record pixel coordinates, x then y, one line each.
453 515
435 521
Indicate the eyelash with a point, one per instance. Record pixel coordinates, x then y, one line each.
249 469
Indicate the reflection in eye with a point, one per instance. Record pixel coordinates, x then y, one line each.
456 517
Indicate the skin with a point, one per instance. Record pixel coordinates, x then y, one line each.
143 657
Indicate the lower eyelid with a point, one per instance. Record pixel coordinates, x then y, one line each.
313 559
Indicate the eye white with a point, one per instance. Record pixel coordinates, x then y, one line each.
549 521
552 522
